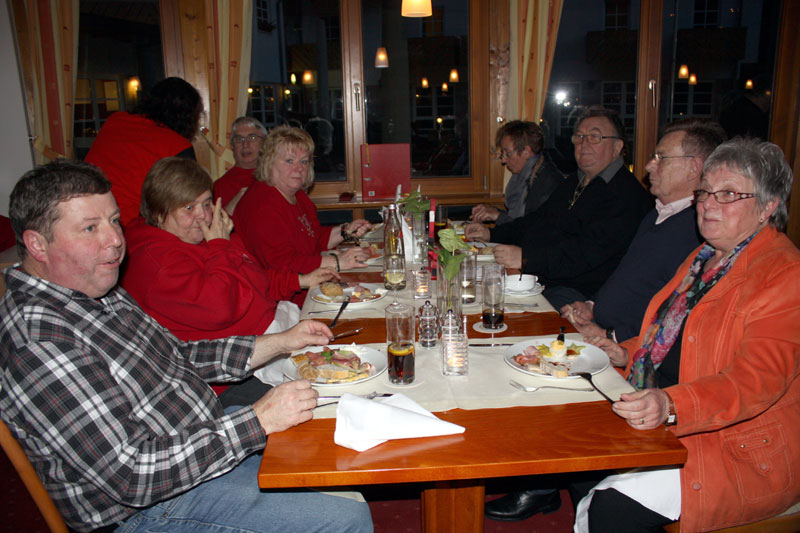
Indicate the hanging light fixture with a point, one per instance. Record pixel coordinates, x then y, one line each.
416 8
692 79
748 84
308 77
454 76
444 87
424 83
381 58
683 72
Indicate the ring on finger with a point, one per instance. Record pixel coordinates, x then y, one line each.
641 421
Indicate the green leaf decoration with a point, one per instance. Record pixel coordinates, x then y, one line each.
450 241
414 203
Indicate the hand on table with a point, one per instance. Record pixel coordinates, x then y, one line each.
286 405
357 228
221 224
315 277
485 213
508 256
476 232
644 409
353 258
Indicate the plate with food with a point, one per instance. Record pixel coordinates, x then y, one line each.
550 358
331 292
335 365
484 250
375 233
375 254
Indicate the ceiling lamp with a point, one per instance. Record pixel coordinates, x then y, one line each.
424 83
381 58
444 87
683 72
308 77
692 79
454 76
748 84
416 8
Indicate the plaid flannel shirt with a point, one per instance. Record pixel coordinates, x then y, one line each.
114 411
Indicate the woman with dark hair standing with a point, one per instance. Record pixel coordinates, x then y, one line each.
128 144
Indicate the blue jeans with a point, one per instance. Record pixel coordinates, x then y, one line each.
234 503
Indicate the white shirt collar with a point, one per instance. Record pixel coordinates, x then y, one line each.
673 208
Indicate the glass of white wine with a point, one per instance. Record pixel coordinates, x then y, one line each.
394 272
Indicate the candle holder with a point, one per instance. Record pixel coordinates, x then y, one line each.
422 283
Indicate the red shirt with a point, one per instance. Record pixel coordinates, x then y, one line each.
202 291
125 149
232 182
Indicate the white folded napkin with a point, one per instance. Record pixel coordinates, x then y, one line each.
363 424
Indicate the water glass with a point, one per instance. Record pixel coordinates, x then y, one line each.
493 296
467 276
400 343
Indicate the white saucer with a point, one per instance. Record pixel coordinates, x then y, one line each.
536 290
478 326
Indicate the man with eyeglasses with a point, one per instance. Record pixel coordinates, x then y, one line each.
664 238
534 177
247 133
576 239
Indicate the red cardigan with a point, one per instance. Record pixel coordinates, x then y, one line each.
202 291
125 149
278 233
738 396
232 182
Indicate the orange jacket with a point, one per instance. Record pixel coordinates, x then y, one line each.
738 397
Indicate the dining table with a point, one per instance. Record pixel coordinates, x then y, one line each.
508 432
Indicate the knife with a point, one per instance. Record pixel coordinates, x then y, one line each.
492 344
336 318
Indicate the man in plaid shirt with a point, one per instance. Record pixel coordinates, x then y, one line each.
113 410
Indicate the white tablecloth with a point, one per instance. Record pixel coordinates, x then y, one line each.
486 386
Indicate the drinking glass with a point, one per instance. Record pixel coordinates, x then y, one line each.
400 343
440 222
467 276
493 295
394 272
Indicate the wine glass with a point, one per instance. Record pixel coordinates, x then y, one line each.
394 272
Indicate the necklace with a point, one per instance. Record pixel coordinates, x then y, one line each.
578 191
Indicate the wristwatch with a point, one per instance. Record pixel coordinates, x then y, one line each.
672 416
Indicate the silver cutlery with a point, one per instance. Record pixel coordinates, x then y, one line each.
526 388
588 377
346 333
329 400
321 311
336 318
490 344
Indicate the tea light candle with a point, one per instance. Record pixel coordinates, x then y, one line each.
422 284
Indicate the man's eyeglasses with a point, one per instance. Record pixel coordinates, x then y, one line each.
505 154
659 157
593 138
238 139
722 197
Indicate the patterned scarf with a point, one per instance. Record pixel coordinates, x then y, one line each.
667 322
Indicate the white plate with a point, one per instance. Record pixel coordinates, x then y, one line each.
374 288
592 359
484 258
370 355
536 290
375 233
375 260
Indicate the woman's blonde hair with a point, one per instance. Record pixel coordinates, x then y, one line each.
171 182
277 138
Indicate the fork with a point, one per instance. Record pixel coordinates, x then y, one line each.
525 388
329 400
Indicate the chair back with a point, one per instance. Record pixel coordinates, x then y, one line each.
32 482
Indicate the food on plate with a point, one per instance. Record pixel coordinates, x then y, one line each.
541 358
486 250
330 289
332 365
373 250
361 294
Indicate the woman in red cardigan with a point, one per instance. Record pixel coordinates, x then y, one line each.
718 360
278 221
189 272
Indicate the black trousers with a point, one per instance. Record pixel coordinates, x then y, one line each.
611 510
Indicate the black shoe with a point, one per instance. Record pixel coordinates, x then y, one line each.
522 504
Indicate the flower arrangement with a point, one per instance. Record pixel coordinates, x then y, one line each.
450 261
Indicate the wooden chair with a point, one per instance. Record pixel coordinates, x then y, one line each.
788 522
32 482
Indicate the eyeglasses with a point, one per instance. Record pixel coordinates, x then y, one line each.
722 197
593 138
505 154
238 139
658 157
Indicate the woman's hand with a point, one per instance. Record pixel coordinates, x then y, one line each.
508 255
644 409
484 213
221 224
476 232
616 353
579 313
353 258
315 277
357 228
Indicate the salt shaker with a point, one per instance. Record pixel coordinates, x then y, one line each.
428 325
455 360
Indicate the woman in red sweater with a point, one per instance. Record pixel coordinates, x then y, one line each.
277 220
188 272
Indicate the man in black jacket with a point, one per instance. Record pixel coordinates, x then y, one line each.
576 239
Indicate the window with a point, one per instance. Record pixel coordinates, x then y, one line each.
621 97
706 13
693 100
95 100
262 103
261 10
616 14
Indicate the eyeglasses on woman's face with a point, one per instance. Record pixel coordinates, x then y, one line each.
592 138
722 197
